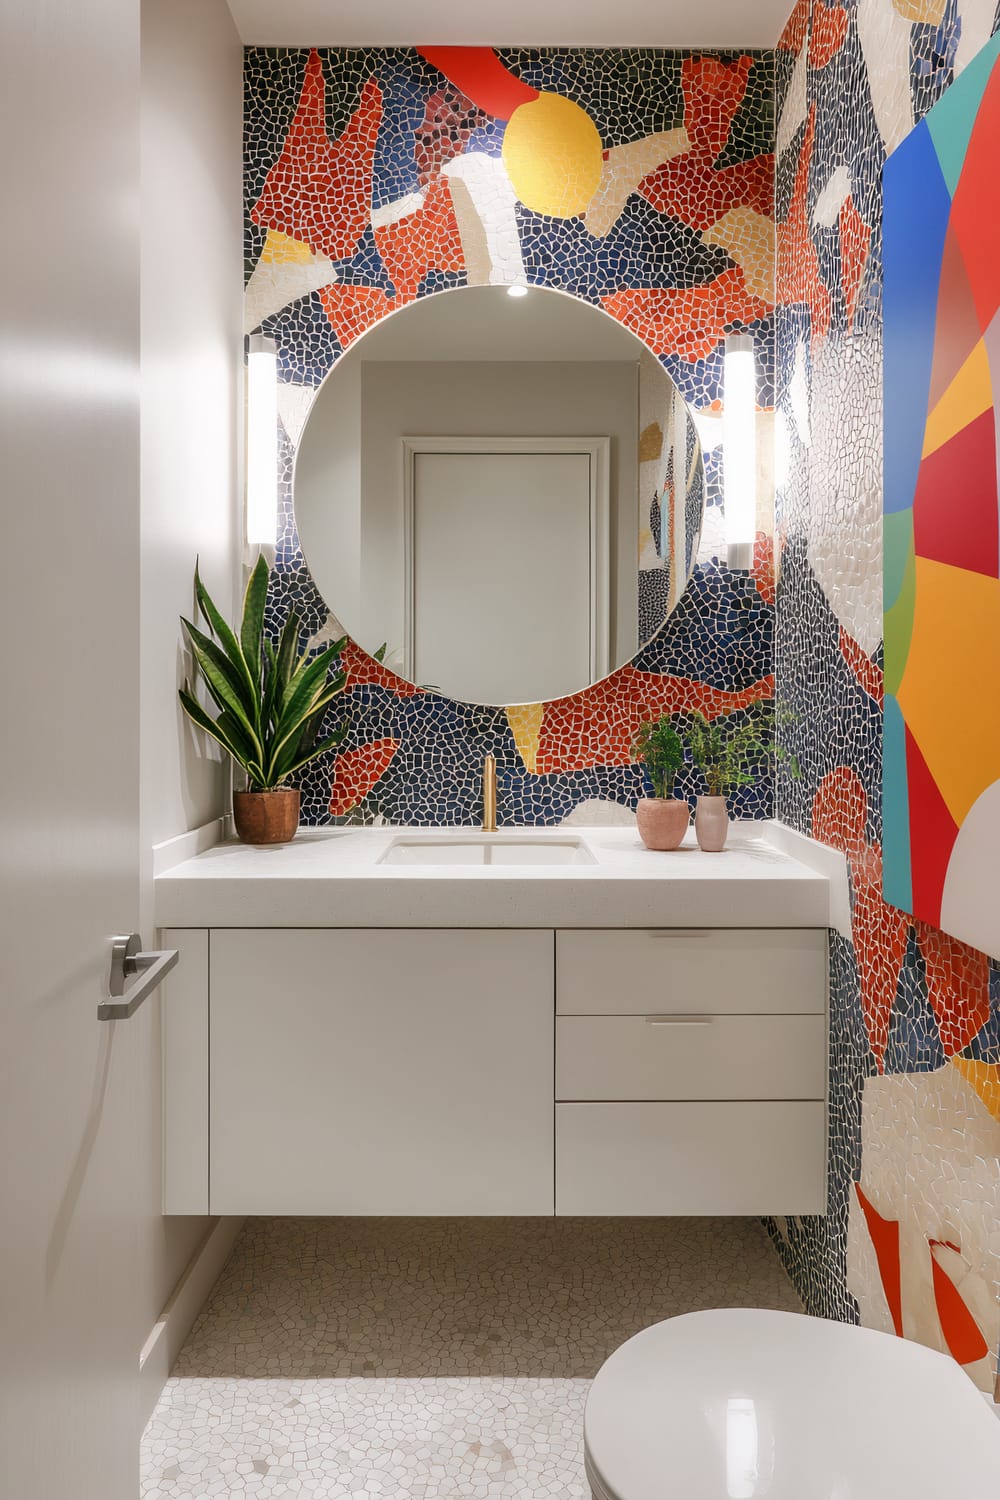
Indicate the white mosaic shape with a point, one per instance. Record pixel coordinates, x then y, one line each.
976 17
832 197
294 405
275 284
930 1152
885 41
487 222
845 490
795 107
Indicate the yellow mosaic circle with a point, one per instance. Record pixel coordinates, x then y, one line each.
553 156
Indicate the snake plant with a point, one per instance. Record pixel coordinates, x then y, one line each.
271 699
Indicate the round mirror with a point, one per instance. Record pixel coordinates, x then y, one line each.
500 495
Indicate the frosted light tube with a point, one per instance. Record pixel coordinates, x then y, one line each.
739 438
262 442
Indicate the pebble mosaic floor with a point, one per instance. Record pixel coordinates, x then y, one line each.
427 1358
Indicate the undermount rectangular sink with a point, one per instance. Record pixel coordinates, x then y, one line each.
486 849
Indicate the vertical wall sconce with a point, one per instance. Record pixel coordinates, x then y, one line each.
739 452
262 442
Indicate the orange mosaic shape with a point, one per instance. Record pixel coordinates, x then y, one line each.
799 278
827 34
598 726
855 242
355 773
958 986
687 321
422 241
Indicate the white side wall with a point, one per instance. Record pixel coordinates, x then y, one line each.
191 446
192 337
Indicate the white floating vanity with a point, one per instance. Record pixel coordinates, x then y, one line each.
390 1021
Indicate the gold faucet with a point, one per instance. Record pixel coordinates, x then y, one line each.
490 794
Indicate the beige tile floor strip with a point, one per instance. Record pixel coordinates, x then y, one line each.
432 1359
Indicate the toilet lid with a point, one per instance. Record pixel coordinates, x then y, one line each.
743 1403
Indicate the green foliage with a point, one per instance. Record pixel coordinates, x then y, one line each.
659 747
270 699
731 754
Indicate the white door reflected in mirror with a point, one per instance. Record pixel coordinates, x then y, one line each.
507 493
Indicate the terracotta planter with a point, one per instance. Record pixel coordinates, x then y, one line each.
711 824
266 817
662 821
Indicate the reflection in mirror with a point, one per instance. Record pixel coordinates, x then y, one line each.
505 492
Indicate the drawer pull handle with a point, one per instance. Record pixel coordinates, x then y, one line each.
672 934
678 1020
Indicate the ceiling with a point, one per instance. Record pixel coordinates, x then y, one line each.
529 23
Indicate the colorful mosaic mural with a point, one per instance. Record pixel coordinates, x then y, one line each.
910 1242
941 788
639 181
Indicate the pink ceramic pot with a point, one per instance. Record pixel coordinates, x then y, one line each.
662 821
711 823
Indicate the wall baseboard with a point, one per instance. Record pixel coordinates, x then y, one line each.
184 1304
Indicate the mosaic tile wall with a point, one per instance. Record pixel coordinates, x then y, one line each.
376 177
911 1243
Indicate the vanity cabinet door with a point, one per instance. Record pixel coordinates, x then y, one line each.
381 1071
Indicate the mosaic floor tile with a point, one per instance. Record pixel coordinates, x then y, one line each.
427 1358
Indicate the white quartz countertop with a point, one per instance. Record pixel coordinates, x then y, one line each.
334 878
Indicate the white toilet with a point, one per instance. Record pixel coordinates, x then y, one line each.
742 1403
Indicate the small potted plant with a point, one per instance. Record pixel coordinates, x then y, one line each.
727 755
663 818
271 701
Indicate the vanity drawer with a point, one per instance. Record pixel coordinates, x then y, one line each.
690 1057
638 1159
697 970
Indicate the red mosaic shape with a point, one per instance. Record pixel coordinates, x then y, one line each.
689 187
764 571
855 242
962 1333
884 1235
320 191
598 726
866 673
363 670
958 986
355 773
449 120
796 30
482 77
798 277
